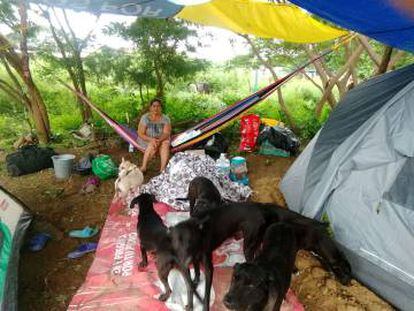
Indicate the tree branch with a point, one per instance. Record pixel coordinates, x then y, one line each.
12 76
352 67
322 74
367 46
311 80
23 41
386 57
350 62
11 55
10 90
61 48
394 60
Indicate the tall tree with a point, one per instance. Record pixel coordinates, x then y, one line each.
120 67
70 48
162 46
14 56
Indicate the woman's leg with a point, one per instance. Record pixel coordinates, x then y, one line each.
148 154
164 154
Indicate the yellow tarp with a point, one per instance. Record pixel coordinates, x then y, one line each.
262 19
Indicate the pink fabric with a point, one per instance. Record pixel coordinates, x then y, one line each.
93 180
114 282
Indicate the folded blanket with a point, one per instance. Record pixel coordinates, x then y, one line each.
182 168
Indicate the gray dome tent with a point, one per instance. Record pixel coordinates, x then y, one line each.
358 172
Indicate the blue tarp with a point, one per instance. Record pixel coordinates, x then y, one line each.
378 19
142 8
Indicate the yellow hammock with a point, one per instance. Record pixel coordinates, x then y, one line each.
262 19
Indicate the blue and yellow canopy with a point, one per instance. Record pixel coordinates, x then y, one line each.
388 21
260 18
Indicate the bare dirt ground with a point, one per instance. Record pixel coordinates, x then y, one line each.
47 280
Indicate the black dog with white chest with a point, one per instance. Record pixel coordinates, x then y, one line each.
263 283
153 235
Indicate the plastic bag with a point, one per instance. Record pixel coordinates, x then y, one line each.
249 131
281 138
84 165
104 167
214 145
29 159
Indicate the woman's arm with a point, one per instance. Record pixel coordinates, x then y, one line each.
166 133
142 129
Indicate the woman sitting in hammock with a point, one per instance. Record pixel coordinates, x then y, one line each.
154 132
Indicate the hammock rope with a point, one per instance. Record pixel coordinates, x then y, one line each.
215 123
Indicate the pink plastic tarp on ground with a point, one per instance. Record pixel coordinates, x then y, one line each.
114 282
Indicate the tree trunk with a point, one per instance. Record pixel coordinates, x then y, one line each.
352 60
140 93
394 60
372 54
86 110
76 71
322 73
160 84
386 57
352 69
38 108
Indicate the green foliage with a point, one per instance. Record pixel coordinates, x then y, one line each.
120 105
407 59
280 53
181 104
162 46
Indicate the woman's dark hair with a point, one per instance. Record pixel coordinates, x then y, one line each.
156 100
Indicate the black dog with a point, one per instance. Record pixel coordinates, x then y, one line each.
203 195
316 239
154 236
263 283
195 239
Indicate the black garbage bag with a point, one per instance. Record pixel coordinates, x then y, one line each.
280 137
214 145
29 159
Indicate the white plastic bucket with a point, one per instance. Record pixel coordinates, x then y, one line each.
62 164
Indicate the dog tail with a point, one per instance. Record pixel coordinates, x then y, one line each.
133 202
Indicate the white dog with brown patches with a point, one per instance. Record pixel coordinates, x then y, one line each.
129 178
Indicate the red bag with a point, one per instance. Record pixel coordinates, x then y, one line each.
249 131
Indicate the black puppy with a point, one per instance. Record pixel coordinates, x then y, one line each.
317 240
203 195
263 283
194 240
154 236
